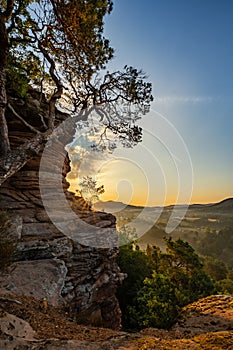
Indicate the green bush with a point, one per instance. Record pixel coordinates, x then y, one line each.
157 303
218 245
135 264
216 269
225 286
23 70
160 283
17 81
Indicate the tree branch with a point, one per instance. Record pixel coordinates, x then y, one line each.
58 93
13 16
4 49
22 120
17 158
7 300
42 121
9 9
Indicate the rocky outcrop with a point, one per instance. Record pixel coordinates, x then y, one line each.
49 264
205 324
207 315
14 326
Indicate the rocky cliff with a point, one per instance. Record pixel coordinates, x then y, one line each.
49 264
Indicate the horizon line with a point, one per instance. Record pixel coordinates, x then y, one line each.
167 205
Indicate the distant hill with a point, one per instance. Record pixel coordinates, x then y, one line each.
225 204
111 206
222 205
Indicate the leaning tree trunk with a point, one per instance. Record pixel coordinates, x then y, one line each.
4 140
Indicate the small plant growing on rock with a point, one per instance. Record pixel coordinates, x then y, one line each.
7 243
89 190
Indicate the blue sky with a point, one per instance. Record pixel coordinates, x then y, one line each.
186 49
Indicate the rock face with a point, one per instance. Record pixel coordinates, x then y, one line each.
210 314
14 326
49 264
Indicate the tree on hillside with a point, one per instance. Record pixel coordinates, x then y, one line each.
218 245
160 284
156 304
216 269
65 41
135 264
89 190
186 271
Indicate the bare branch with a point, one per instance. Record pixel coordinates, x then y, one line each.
9 9
22 120
58 93
7 300
17 158
42 121
14 16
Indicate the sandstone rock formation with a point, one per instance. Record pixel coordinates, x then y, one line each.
48 263
206 324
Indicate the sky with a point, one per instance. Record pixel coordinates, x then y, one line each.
186 49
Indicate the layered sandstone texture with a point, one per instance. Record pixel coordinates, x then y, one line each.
49 262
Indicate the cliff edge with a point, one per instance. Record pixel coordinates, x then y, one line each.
48 263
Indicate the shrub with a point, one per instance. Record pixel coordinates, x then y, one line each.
17 80
159 284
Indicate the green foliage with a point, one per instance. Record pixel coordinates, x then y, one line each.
216 269
225 286
230 274
77 28
186 271
65 41
23 71
157 304
69 34
17 80
218 245
160 283
216 248
7 243
221 274
135 264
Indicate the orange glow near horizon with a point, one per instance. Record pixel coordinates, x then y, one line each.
130 186
142 181
122 192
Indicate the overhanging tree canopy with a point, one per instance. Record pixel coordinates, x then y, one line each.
65 41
